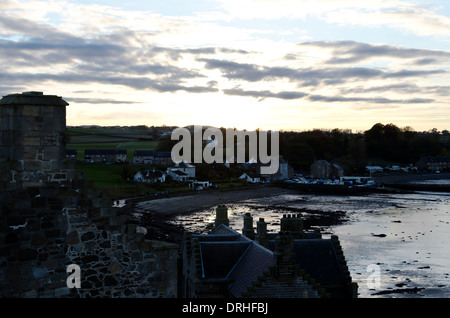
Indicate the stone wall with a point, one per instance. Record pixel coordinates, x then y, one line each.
43 230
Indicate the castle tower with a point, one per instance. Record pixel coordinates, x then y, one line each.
32 142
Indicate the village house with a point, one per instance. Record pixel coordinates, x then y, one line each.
143 157
149 176
105 155
284 172
162 158
186 167
434 163
177 175
71 154
322 169
251 177
182 171
336 171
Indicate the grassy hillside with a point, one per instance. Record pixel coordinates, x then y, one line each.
104 138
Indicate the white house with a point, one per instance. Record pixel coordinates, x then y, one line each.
186 167
249 178
178 175
204 184
149 176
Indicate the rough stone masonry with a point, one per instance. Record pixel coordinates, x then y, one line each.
50 217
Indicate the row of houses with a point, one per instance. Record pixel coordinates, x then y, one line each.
434 163
120 156
179 172
321 169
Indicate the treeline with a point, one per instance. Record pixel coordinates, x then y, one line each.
381 143
353 151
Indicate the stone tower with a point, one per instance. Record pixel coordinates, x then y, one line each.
32 148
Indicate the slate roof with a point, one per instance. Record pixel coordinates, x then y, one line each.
105 152
220 258
144 153
163 154
180 173
318 258
254 262
229 255
33 99
152 174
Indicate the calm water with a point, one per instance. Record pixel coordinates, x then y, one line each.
405 235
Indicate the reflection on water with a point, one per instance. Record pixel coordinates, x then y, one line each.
404 234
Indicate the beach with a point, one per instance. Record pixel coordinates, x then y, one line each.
200 200
156 217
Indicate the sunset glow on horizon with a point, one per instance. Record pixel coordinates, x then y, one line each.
280 65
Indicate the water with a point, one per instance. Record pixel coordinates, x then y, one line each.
404 235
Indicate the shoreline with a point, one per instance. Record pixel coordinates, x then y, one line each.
407 178
155 215
179 205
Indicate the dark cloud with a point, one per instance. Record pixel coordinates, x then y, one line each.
375 100
288 95
307 76
253 72
403 88
264 94
107 58
176 54
128 58
141 83
96 101
345 52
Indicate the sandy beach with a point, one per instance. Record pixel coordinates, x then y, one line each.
170 207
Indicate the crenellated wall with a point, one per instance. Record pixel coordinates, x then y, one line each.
43 230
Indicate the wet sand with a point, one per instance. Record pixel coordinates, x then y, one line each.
170 207
156 215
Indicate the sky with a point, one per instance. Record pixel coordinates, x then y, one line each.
268 64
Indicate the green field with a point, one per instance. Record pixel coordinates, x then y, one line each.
102 138
110 177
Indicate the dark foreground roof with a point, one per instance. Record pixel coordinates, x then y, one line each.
230 256
33 99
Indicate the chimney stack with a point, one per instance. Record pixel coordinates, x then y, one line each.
222 216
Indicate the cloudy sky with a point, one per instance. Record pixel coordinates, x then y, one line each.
270 64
